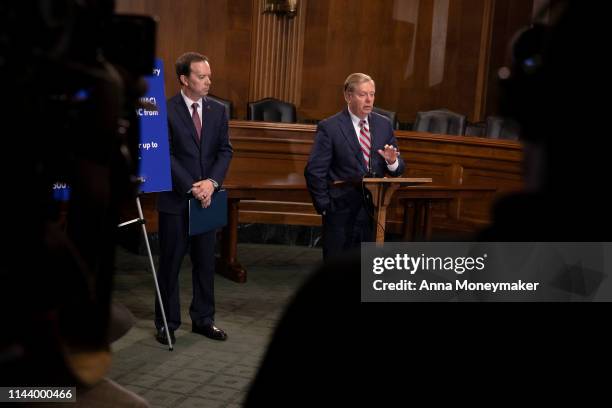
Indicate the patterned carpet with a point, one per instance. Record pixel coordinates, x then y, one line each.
202 372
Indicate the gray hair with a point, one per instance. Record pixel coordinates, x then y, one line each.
355 79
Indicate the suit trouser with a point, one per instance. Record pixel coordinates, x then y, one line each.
174 242
346 230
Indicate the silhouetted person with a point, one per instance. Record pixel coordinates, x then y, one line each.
556 83
309 356
68 116
327 339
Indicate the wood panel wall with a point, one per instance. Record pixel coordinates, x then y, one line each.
278 48
508 16
219 29
423 54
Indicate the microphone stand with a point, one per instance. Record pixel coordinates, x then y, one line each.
367 197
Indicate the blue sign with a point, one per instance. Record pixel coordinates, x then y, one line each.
154 149
61 192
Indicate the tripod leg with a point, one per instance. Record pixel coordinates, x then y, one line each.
161 306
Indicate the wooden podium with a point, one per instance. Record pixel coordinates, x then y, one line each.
382 190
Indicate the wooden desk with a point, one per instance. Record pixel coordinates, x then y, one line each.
418 217
227 264
417 222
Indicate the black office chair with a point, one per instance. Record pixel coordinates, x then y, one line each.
475 129
502 128
229 107
271 110
440 121
392 116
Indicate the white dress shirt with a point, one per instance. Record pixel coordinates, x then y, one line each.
355 119
189 103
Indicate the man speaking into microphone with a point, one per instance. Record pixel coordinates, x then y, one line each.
353 144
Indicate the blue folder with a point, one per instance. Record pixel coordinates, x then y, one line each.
202 219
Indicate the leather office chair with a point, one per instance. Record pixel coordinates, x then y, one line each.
440 121
475 129
389 114
271 110
229 107
502 128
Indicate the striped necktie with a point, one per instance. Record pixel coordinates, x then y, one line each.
365 141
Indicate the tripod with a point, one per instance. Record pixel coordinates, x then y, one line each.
140 220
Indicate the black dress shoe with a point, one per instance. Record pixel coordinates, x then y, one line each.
210 331
161 337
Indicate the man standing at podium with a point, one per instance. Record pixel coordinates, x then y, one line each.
200 154
353 144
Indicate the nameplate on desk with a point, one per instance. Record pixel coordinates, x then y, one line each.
213 217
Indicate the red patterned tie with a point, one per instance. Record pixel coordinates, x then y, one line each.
196 120
364 141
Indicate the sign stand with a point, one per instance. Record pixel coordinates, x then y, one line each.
140 220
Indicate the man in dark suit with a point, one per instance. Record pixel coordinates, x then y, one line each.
349 146
200 154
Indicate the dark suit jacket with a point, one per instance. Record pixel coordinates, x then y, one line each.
192 161
336 156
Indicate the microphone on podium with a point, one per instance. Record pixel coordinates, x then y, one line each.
370 173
